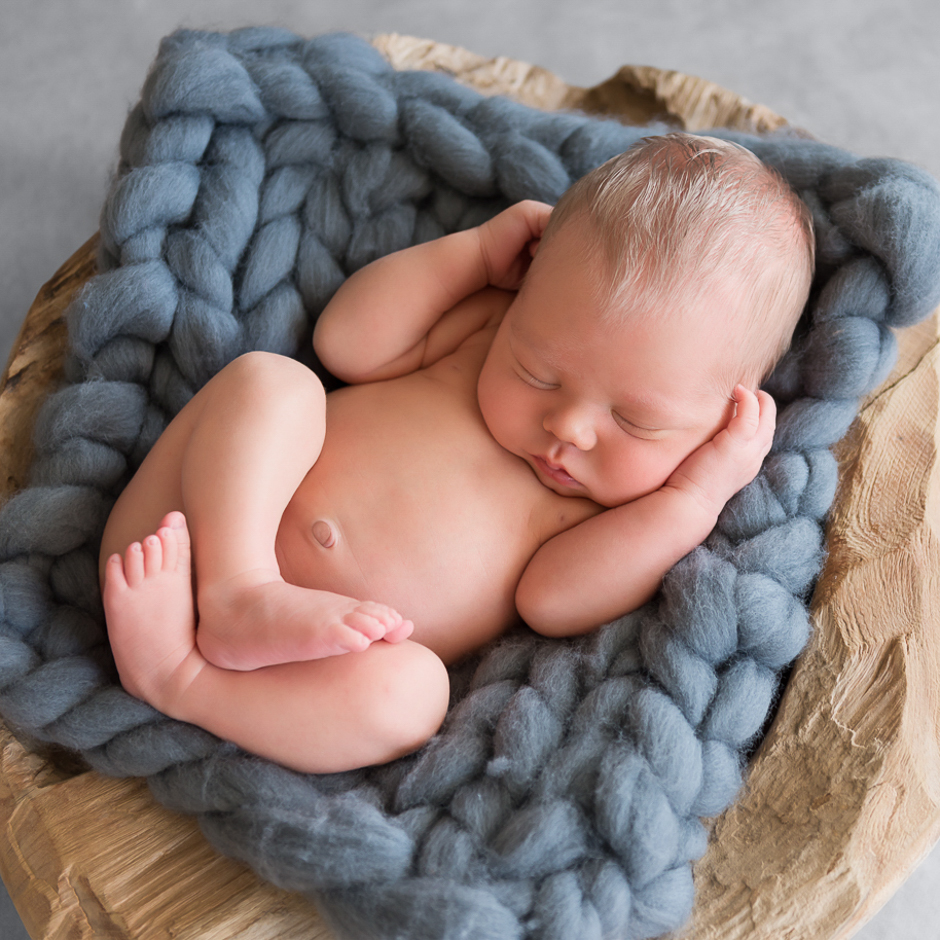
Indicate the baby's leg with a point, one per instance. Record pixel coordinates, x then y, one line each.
240 449
319 716
259 429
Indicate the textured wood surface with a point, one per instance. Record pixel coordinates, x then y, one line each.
35 365
635 95
842 799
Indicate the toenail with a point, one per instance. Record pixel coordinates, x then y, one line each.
152 540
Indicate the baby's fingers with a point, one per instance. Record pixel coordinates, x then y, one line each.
755 415
768 413
535 214
509 240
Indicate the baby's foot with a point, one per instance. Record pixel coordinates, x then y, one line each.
258 619
150 612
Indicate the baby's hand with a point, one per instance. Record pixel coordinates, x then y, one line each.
719 468
508 242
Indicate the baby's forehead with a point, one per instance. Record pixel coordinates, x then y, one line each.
654 301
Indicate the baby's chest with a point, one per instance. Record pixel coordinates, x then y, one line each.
410 471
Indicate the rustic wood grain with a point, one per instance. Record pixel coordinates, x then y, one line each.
35 365
635 95
842 799
88 857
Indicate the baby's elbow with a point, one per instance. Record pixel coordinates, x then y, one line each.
555 609
542 609
329 349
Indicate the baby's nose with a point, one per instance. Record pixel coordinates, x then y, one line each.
572 426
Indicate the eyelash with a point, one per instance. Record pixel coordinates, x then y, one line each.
644 434
530 379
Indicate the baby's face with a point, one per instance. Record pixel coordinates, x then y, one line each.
600 410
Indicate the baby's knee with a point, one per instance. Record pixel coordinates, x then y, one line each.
412 699
270 375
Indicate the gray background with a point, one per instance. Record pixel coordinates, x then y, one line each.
862 74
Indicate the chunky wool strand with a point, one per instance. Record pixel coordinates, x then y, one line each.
563 794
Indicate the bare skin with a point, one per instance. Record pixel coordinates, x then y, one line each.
492 447
167 669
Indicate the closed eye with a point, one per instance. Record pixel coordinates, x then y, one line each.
637 430
530 379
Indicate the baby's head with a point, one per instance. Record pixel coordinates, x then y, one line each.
679 217
664 279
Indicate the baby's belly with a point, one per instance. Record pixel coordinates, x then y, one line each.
429 516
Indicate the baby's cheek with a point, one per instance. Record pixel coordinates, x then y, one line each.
496 416
485 395
648 467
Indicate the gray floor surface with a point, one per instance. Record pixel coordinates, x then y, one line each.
862 74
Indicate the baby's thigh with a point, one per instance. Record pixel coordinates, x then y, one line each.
359 708
227 434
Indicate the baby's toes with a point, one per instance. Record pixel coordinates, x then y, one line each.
399 633
368 625
134 564
114 578
170 548
153 555
350 639
174 535
387 616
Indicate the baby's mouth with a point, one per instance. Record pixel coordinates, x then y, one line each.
555 472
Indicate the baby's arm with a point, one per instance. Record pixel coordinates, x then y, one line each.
405 311
614 562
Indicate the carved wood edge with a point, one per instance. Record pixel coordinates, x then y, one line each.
88 857
637 94
843 797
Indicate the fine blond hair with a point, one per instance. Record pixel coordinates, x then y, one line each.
675 214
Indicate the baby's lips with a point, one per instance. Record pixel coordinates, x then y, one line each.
556 471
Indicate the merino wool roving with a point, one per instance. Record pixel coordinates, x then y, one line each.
562 797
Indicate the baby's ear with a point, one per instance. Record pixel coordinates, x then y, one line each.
534 246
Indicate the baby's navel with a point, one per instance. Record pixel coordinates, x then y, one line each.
323 533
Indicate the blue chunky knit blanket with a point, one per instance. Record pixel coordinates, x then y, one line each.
562 797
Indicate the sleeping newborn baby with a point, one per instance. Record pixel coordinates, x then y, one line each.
543 415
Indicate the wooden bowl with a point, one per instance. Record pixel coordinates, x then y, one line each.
843 796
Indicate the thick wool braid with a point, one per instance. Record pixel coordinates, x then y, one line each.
562 797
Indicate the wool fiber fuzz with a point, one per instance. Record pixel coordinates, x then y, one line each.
562 797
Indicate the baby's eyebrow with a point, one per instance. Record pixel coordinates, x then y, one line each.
544 350
520 334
